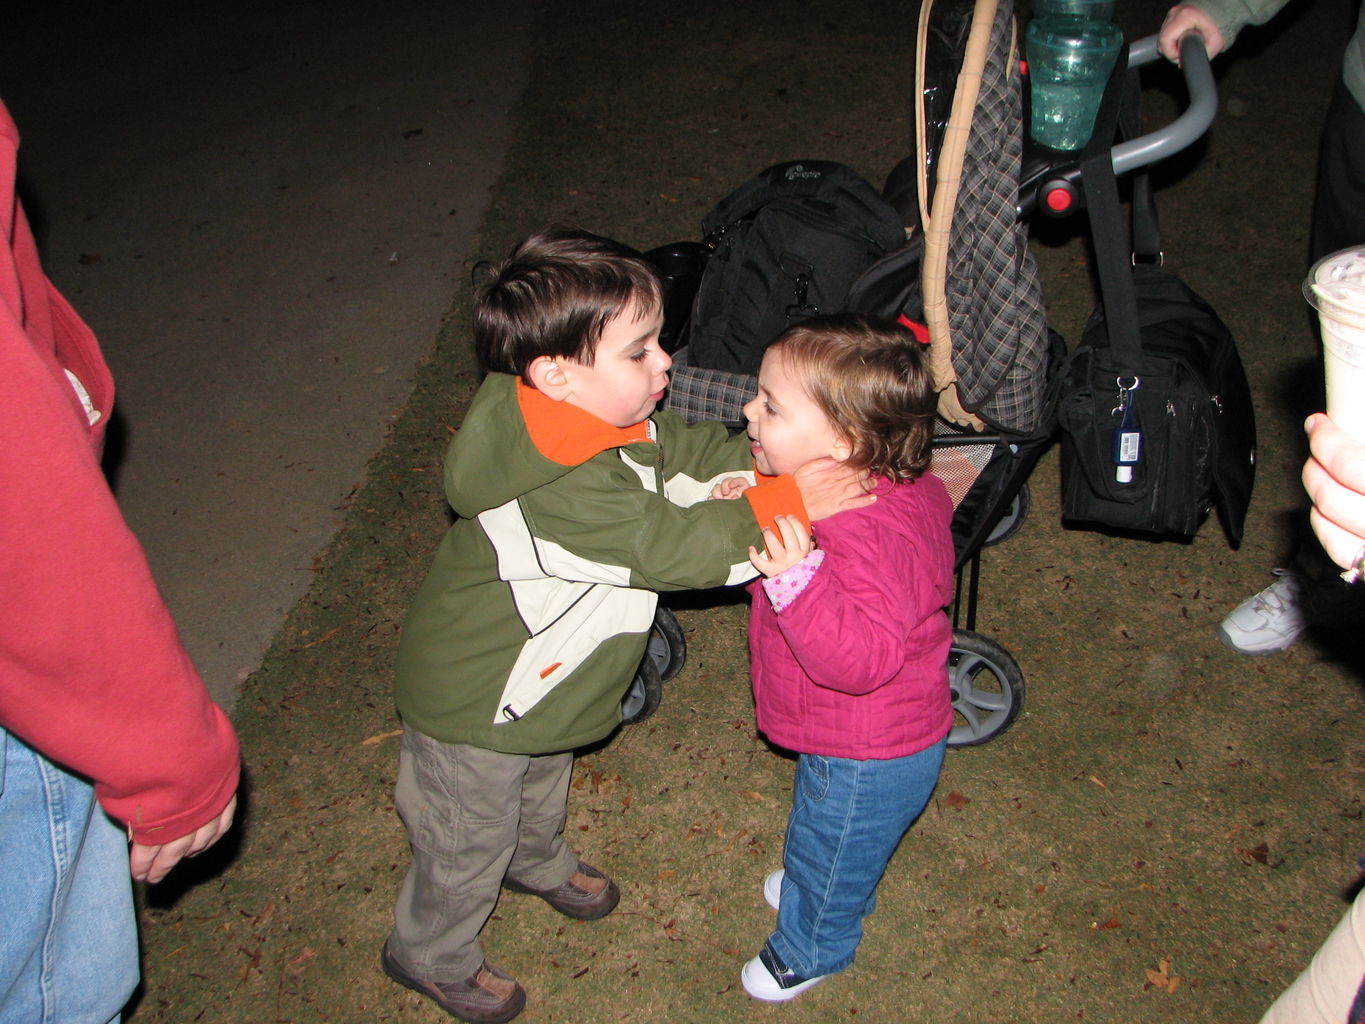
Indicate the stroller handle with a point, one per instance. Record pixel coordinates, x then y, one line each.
1190 125
1054 189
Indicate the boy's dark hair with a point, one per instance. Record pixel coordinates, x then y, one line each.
553 295
871 378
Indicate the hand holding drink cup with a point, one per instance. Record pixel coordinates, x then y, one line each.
1335 475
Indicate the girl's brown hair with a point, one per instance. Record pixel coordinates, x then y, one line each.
871 378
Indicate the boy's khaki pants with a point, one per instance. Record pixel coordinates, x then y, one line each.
473 817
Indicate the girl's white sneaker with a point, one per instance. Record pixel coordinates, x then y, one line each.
772 887
769 980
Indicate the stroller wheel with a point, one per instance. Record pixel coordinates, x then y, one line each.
667 645
1012 518
646 690
987 688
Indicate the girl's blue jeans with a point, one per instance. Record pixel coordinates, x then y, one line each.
846 820
68 935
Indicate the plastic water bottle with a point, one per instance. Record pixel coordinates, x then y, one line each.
1070 59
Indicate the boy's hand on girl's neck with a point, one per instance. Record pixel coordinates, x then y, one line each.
829 486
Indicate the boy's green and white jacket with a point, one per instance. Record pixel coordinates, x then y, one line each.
536 611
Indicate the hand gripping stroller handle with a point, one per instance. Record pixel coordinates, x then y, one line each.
1190 125
1054 189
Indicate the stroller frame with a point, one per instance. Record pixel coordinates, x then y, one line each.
986 682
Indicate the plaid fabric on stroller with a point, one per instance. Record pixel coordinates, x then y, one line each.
968 190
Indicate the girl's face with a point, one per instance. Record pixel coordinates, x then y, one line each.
786 428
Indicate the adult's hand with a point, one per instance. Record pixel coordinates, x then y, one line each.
828 486
1182 19
152 863
1334 477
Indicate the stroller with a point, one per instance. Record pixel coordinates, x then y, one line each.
972 185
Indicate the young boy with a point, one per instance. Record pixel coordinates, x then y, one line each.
575 505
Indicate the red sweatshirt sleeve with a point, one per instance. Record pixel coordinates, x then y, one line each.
92 671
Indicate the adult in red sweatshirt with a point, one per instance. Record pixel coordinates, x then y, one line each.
107 734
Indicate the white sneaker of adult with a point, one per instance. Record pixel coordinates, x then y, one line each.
772 887
1269 621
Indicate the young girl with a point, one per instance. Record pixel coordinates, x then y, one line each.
848 638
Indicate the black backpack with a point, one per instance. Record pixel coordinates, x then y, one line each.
786 246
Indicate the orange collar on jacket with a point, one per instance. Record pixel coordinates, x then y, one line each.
568 435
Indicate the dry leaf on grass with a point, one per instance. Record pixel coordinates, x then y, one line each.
322 639
300 963
253 963
267 912
1257 854
1162 978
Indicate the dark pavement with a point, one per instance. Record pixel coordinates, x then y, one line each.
264 213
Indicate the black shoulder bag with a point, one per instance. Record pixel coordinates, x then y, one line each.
1155 407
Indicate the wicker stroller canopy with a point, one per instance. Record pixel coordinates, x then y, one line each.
982 296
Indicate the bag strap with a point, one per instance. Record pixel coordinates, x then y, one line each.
1113 252
1113 259
1146 227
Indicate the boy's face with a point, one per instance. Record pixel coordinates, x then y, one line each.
629 371
786 428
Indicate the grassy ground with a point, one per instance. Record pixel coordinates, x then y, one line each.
1166 833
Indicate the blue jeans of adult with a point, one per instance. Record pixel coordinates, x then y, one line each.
68 934
846 821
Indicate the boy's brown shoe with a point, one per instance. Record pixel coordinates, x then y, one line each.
586 896
488 996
